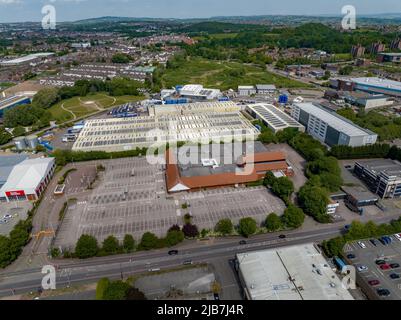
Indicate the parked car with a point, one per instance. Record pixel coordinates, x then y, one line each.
362 245
373 241
383 292
173 252
380 262
351 256
394 265
362 268
385 266
7 216
398 236
187 262
282 236
394 276
374 282
242 242
383 242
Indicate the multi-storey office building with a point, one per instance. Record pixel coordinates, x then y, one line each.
382 177
329 127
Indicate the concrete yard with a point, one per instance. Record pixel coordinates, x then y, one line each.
130 197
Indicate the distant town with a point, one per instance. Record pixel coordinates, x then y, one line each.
231 158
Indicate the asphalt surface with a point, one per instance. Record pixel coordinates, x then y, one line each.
114 267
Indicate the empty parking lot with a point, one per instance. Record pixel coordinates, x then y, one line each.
367 256
130 197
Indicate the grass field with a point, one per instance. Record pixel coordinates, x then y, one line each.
223 75
77 107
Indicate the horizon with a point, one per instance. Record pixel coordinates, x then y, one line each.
19 11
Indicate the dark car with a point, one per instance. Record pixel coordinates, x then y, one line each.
351 256
394 265
282 236
373 241
374 282
242 242
394 276
216 296
173 252
380 262
383 292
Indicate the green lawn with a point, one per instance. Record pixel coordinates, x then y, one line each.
223 75
82 106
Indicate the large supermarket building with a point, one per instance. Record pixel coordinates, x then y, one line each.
24 179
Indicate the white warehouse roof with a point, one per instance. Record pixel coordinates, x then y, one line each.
28 174
378 82
290 273
333 120
274 117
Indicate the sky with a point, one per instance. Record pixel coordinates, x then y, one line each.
71 10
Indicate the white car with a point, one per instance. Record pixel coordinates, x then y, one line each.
398 236
362 268
7 216
361 244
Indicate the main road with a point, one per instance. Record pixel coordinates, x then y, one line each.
73 272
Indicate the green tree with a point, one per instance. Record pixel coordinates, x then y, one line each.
121 58
148 241
86 247
293 217
5 136
18 131
247 227
116 290
283 188
5 254
174 237
101 287
110 245
314 200
45 98
128 243
224 226
273 222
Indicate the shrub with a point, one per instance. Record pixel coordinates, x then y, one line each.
86 247
224 226
247 227
110 245
190 230
273 222
148 241
174 237
128 243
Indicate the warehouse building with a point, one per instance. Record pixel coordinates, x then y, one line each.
289 273
246 90
383 176
372 85
265 89
329 127
28 179
144 131
7 163
196 107
197 92
389 57
30 58
192 168
273 117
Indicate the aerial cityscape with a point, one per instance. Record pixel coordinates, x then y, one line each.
202 151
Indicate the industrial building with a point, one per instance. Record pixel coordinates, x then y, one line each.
363 100
289 273
11 102
382 177
372 85
192 168
7 163
198 93
389 57
145 131
246 90
196 107
30 58
27 179
273 117
329 127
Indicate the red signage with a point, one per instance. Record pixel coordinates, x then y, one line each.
19 193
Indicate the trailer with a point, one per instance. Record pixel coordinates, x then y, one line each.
339 263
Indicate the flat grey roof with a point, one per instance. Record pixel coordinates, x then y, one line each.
334 120
226 156
378 83
387 166
360 193
7 164
290 273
